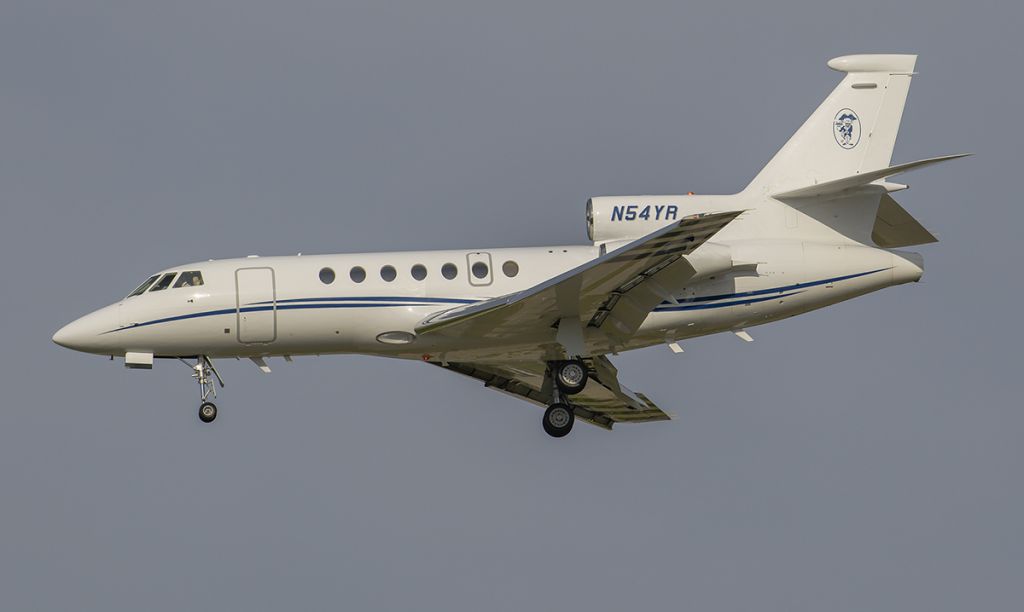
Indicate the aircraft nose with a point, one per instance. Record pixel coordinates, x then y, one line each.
73 336
85 334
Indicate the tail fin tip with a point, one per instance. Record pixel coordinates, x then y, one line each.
874 62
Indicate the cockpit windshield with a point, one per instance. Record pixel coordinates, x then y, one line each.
164 282
142 288
189 279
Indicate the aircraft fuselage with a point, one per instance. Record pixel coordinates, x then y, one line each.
271 306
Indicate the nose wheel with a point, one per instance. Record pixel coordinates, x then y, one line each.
208 378
207 412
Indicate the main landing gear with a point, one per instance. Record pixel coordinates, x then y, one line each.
570 377
558 420
204 373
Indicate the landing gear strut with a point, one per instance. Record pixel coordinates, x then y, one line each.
204 373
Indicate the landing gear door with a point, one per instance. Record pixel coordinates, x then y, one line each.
256 305
480 273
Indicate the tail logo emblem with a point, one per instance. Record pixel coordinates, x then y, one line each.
846 128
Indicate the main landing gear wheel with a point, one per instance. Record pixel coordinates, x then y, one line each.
571 376
207 412
558 420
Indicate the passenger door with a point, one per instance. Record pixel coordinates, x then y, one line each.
256 305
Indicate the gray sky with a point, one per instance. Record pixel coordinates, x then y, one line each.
867 457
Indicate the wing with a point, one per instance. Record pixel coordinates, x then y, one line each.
614 292
603 402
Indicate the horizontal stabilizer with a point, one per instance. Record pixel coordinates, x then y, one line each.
838 186
895 227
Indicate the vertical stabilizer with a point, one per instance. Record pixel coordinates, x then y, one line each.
854 130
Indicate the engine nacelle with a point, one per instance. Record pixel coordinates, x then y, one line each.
626 217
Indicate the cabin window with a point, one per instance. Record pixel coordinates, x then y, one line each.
388 273
326 276
357 274
142 288
419 272
449 271
480 269
164 282
510 268
193 278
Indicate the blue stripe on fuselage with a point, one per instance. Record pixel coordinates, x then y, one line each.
210 313
725 296
426 300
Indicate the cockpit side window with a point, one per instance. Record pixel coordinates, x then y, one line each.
142 288
189 279
164 282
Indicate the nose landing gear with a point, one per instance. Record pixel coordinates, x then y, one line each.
207 412
204 373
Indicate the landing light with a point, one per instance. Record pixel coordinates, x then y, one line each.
396 337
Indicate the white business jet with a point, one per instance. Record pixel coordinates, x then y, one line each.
815 227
